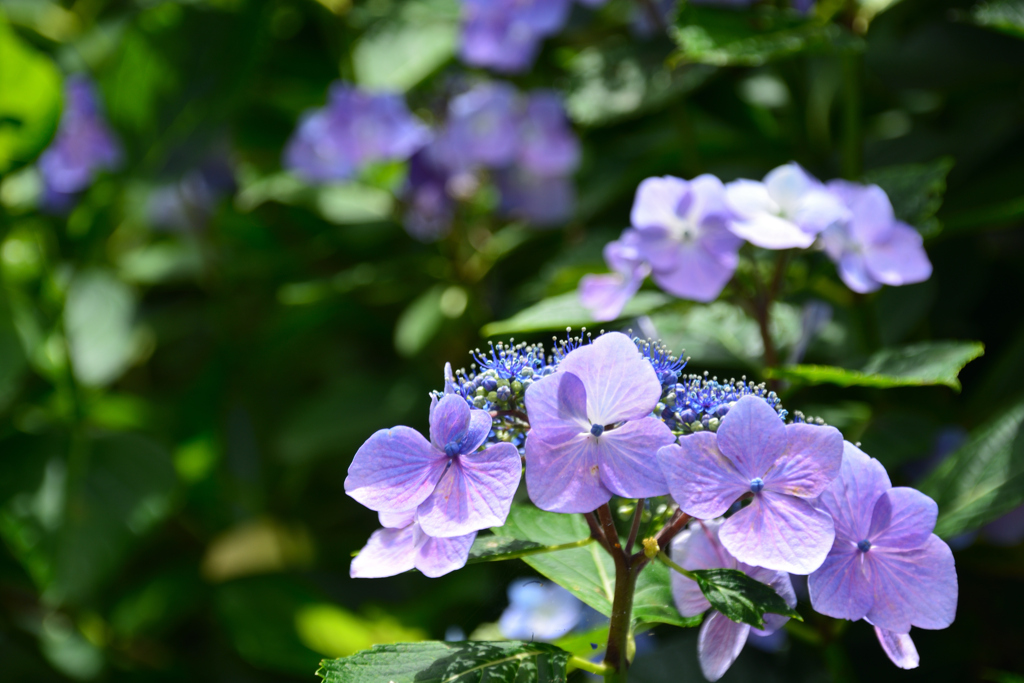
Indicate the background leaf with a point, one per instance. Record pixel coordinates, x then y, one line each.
923 364
433 662
983 479
565 310
915 190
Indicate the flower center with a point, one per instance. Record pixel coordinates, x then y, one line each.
682 229
597 430
756 484
451 449
864 546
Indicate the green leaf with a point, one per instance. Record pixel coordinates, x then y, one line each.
30 99
565 310
725 37
99 318
1002 15
398 54
740 597
983 479
925 364
435 662
419 323
588 572
915 190
495 548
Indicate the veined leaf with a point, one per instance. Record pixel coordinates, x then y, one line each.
925 364
983 479
565 310
740 597
436 662
588 572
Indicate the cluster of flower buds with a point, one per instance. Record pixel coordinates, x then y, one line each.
768 497
686 235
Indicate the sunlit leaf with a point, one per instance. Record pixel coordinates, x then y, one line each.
466 662
399 53
983 479
1002 15
30 99
99 318
740 597
565 310
925 364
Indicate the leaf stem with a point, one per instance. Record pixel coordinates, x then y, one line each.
592 667
666 560
635 529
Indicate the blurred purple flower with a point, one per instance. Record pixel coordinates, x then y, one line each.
539 200
188 203
83 146
402 545
356 128
482 128
547 144
786 211
454 488
592 434
720 640
886 565
606 295
783 466
430 208
684 236
505 35
539 610
643 22
870 247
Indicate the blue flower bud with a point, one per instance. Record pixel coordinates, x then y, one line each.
490 384
504 394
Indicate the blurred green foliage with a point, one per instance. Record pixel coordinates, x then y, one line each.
178 408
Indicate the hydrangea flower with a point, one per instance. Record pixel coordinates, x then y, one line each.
787 210
354 129
684 235
886 566
720 640
539 200
539 610
505 35
430 207
402 545
482 128
83 146
454 488
606 295
548 147
781 466
870 247
592 434
189 203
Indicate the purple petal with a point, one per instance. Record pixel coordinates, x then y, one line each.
439 556
871 216
557 406
818 210
788 184
606 295
621 384
900 259
565 477
479 429
853 271
449 422
548 145
387 553
658 201
397 520
903 518
779 532
913 588
702 480
697 547
719 644
811 461
841 587
771 232
475 494
694 274
396 469
623 255
629 458
899 648
850 498
753 436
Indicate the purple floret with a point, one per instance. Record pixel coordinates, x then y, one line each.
83 147
402 545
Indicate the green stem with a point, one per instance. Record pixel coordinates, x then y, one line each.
666 560
580 663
